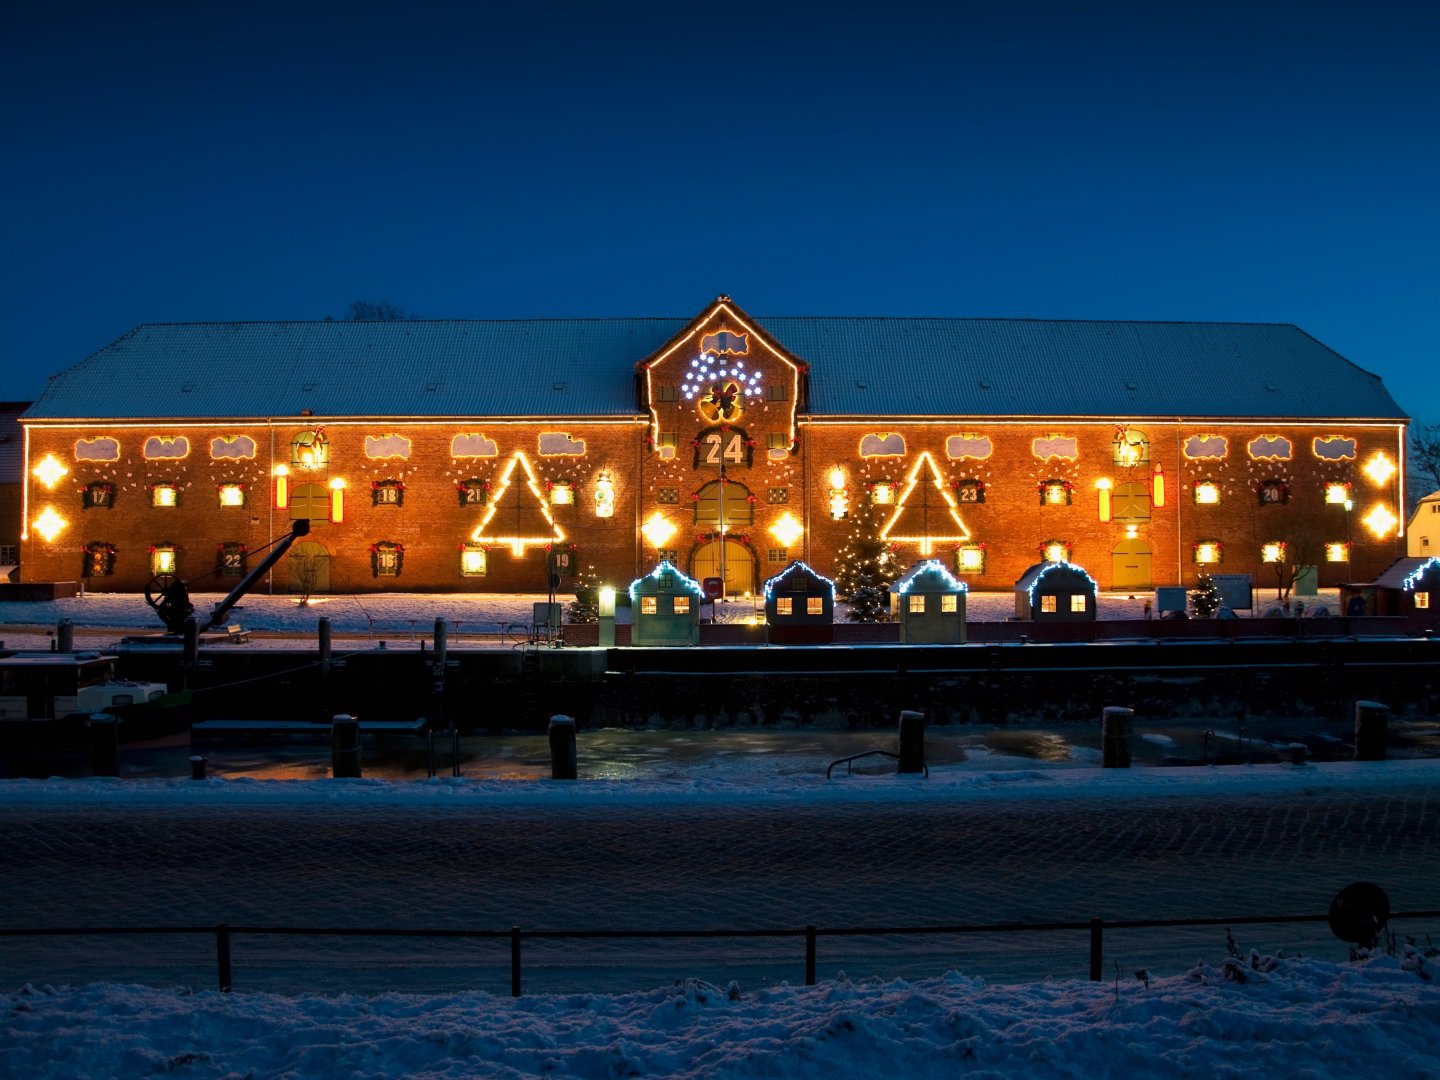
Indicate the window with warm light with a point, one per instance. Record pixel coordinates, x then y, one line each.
472 561
1207 552
162 559
949 604
647 605
1337 551
783 606
99 560
1273 553
1047 603
1077 602
1207 493
164 495
779 556
882 494
970 560
232 494
562 495
1422 601
682 605
1337 494
1055 493
1057 551
917 604
815 605
309 450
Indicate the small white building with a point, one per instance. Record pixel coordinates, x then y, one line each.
1423 535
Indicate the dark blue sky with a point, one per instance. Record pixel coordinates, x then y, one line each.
183 161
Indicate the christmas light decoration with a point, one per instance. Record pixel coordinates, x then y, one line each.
1205 447
232 494
1338 551
787 529
49 472
517 543
604 496
1158 485
472 561
1380 469
1270 448
1273 552
164 495
282 486
1207 493
839 500
337 500
1051 568
1103 486
931 566
721 385
658 530
791 569
1333 448
166 447
1130 446
1055 551
925 537
689 584
49 524
1380 521
1413 580
971 558
1208 551
162 559
1337 493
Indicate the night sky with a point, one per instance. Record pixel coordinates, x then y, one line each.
227 161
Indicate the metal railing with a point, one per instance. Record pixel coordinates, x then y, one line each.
224 932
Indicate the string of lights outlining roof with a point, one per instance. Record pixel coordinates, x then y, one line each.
689 584
1413 581
793 568
1050 568
932 568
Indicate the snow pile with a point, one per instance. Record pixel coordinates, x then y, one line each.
1298 1018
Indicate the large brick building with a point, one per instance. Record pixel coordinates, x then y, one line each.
451 455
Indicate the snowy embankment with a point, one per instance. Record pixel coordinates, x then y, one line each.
1262 1017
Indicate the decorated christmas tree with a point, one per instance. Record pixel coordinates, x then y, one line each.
586 605
1205 597
866 565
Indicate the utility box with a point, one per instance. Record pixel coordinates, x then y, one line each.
929 604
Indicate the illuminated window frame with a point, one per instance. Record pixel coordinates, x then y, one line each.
1337 551
1049 603
1207 493
680 605
310 450
1055 492
649 605
99 560
1078 603
230 495
562 494
1209 552
915 603
970 559
474 561
1273 552
882 493
784 606
815 605
166 496
1337 493
163 559
1055 551
949 604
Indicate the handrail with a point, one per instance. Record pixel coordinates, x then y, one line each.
224 932
846 761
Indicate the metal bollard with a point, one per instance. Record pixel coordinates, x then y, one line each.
1115 736
1371 727
197 767
562 748
191 642
912 742
104 745
65 636
344 747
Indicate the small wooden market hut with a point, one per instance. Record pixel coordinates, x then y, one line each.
930 605
665 608
800 607
1056 592
1422 590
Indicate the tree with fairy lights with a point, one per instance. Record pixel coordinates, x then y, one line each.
585 607
866 565
1205 597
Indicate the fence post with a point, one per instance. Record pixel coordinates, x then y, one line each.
912 742
1371 721
1115 736
809 956
104 744
562 748
1097 949
222 955
514 961
344 746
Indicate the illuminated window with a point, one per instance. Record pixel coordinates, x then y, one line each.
387 493
472 561
1055 493
386 558
98 496
667 496
162 559
670 555
682 605
783 605
309 450
1207 493
1047 603
815 605
882 494
1422 600
666 392
1273 552
949 604
1208 551
562 495
917 605
647 605
776 496
667 440
99 560
1337 494
1056 551
164 495
777 440
232 494
1131 448
1077 602
970 559
1337 552
231 559
970 491
777 555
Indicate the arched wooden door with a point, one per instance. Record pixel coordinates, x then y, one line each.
309 565
739 572
1130 565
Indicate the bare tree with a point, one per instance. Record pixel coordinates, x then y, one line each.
305 574
1425 458
375 311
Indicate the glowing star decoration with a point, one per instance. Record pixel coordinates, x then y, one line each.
337 500
49 472
1380 469
658 530
721 385
1103 486
925 516
518 521
1380 521
604 496
282 486
787 530
49 524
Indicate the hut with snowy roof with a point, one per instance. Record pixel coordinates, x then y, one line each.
1056 592
929 604
665 608
800 607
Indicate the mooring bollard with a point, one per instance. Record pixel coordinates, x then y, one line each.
65 636
1371 727
325 639
104 744
197 767
1115 736
562 748
344 746
191 642
912 742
